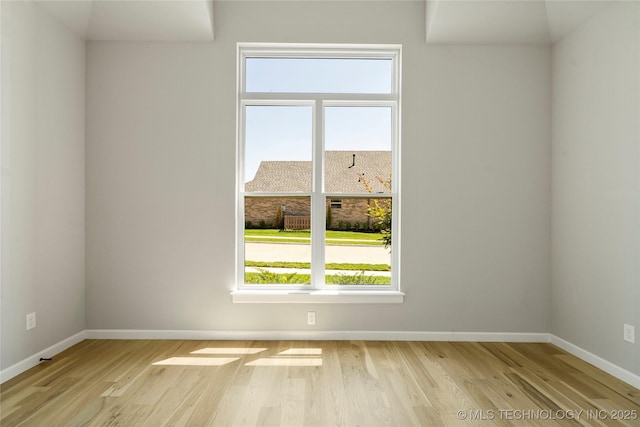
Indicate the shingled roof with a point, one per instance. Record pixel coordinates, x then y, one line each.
341 176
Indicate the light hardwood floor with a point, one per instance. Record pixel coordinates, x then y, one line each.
315 383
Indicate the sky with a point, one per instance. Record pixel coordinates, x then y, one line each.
286 132
308 75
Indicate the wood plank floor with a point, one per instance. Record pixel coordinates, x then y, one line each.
315 383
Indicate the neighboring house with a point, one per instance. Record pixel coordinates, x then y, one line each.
346 172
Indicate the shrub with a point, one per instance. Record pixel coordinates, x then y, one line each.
329 217
279 218
380 211
348 227
357 279
266 277
248 224
262 223
340 225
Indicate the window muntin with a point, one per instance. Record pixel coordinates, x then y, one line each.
329 112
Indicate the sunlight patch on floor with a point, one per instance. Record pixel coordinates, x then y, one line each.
221 350
286 361
302 352
289 357
196 361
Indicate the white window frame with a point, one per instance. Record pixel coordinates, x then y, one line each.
318 292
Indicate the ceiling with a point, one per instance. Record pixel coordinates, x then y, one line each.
506 21
135 20
447 21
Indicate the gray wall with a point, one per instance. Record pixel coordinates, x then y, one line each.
596 185
43 126
161 173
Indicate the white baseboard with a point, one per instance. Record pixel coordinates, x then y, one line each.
316 335
34 360
145 334
597 361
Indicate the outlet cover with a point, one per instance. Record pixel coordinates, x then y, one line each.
629 333
311 317
31 320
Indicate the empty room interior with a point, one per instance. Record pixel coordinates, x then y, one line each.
131 206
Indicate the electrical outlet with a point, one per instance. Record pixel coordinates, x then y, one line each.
31 320
311 317
629 333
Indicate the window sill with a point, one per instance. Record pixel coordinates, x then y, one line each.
317 297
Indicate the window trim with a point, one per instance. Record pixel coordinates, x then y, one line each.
312 296
318 291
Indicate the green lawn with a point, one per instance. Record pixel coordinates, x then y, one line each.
332 237
266 277
329 266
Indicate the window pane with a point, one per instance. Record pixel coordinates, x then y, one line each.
277 155
319 75
358 237
277 248
357 149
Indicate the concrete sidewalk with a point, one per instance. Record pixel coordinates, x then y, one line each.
255 251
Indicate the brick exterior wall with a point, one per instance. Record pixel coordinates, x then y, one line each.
352 211
265 208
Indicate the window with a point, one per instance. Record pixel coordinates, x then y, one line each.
318 167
